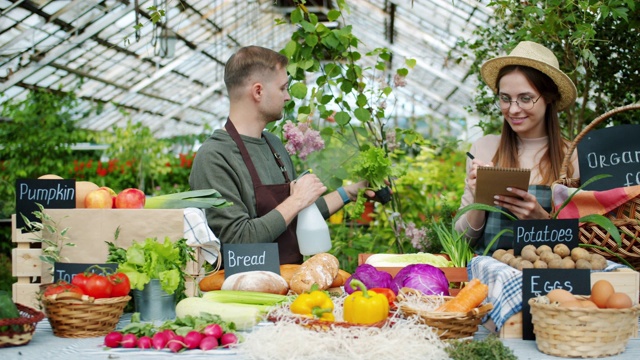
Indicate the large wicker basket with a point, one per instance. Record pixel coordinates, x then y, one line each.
626 217
448 325
72 316
19 331
582 332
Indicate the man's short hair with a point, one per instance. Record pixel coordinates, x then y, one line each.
248 61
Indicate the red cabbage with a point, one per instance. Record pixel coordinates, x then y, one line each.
370 277
427 278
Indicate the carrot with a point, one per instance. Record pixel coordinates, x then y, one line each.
468 298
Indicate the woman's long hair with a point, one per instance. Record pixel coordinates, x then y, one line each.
551 161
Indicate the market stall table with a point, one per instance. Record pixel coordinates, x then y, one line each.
45 345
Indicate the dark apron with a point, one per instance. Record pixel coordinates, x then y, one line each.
270 196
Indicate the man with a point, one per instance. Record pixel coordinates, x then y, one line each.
251 168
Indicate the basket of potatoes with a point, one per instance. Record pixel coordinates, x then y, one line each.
545 257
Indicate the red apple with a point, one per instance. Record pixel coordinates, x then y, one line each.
113 195
130 199
98 199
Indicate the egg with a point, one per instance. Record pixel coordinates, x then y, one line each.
588 304
619 301
571 304
560 296
600 292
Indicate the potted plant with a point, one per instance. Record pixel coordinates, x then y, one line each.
156 272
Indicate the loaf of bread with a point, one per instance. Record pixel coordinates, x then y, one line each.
340 279
287 271
214 281
260 281
320 269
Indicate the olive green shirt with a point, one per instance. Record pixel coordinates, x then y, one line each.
219 165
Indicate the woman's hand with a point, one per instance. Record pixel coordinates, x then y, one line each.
472 176
523 205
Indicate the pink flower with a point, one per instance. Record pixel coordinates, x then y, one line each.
399 81
301 139
416 236
392 143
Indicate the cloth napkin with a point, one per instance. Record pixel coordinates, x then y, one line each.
199 234
587 202
505 286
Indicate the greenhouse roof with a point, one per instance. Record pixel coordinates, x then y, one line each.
91 47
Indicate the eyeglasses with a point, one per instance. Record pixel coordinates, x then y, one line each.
525 102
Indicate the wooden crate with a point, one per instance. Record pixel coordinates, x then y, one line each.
453 274
30 271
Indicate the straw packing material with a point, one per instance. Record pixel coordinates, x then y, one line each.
581 332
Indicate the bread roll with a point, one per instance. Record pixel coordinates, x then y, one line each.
320 269
340 279
260 281
212 281
287 271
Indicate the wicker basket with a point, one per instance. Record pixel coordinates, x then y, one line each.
20 329
582 332
449 325
626 217
78 316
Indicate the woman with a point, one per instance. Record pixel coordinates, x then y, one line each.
530 90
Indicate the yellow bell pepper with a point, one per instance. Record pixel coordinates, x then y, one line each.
314 304
365 307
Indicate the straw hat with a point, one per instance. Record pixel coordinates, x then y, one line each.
529 53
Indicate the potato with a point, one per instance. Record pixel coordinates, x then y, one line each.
529 255
583 264
525 264
506 258
567 263
562 250
555 264
498 254
543 248
547 256
515 262
510 251
528 247
579 253
540 264
598 262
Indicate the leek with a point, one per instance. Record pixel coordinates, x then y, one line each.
196 198
244 297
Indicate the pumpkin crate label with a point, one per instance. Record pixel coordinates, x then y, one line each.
250 257
549 232
50 193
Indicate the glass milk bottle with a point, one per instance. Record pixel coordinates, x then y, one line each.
312 231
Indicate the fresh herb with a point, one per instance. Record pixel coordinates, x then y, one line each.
154 260
490 348
55 239
453 243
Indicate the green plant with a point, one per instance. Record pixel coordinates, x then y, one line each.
48 233
489 348
453 243
152 259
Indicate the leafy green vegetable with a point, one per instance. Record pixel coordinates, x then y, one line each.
375 166
453 243
490 348
154 260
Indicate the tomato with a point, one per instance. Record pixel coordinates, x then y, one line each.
98 286
121 284
60 287
81 280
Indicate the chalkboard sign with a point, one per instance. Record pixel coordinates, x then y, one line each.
537 282
614 151
549 232
66 271
250 257
50 193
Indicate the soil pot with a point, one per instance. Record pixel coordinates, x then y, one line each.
153 303
383 195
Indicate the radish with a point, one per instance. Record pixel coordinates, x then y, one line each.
159 340
176 344
144 342
214 330
208 343
113 339
228 339
129 341
170 334
192 339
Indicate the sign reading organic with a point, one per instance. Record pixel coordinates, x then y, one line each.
538 282
615 151
66 271
549 232
250 257
50 193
